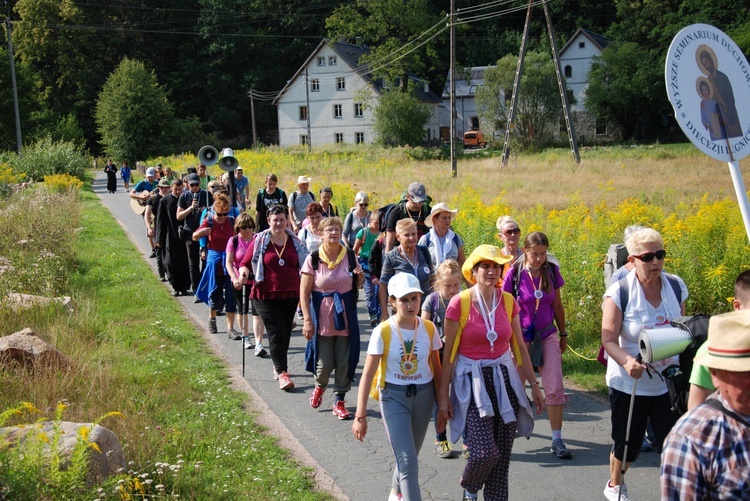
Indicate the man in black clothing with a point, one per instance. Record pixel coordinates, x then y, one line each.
189 208
414 207
149 219
168 241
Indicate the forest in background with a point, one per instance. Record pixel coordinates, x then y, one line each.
207 54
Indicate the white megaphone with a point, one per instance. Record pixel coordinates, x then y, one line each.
227 162
208 155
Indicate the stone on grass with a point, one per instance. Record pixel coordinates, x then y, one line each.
27 349
18 301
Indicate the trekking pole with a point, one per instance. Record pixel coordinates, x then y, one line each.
627 434
245 330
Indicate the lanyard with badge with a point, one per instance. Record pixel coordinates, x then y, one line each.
408 364
489 317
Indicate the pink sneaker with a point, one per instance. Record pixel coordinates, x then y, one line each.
339 410
317 397
285 383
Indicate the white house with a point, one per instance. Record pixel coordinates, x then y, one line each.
576 58
467 116
339 99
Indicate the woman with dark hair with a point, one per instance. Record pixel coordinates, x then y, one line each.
276 256
310 234
268 197
535 282
215 287
326 195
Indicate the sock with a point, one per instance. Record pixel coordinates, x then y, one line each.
556 435
338 397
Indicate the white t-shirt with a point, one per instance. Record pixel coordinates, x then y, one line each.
398 369
639 315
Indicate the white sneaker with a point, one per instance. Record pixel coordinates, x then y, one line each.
260 351
275 375
614 494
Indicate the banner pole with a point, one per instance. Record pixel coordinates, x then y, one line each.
739 189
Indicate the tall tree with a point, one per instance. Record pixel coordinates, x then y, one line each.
400 119
133 114
539 107
394 29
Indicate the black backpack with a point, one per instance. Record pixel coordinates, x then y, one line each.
676 376
353 263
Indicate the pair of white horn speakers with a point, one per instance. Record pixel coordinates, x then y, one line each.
208 155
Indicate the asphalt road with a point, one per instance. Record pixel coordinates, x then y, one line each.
362 471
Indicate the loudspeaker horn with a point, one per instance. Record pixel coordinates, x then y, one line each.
228 162
208 155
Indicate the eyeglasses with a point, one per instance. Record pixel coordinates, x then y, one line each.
333 230
649 256
247 228
514 231
222 214
363 205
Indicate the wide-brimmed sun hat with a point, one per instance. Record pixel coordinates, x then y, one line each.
484 252
438 208
163 183
728 342
303 180
402 284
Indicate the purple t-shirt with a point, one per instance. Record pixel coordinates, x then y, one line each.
545 316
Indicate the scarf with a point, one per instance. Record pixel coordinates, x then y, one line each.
447 245
327 260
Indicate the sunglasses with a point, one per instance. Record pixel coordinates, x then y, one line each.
649 256
514 231
247 228
222 214
194 184
363 205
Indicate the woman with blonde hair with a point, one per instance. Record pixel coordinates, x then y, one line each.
357 219
215 287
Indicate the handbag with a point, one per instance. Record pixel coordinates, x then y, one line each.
185 233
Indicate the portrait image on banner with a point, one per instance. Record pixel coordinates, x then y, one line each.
708 79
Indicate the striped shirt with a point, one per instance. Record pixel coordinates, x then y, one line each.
706 456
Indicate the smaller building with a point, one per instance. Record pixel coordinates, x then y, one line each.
467 116
338 99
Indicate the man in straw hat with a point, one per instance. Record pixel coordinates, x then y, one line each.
707 453
298 202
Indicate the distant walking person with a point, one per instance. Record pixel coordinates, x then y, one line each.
125 175
111 170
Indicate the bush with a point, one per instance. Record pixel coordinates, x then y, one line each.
60 183
47 157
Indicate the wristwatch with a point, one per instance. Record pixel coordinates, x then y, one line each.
564 334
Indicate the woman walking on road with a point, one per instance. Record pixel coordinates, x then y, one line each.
328 290
404 351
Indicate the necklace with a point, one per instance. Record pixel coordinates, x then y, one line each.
408 363
286 240
411 216
489 317
415 264
538 293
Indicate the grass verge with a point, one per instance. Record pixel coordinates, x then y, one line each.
185 432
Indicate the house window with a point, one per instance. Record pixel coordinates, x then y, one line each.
359 137
581 45
321 61
568 71
472 89
331 60
304 139
600 127
339 137
359 110
474 123
303 112
340 83
315 85
337 111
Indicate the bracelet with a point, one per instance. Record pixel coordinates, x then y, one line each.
564 334
535 383
360 417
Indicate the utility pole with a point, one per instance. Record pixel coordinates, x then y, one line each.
307 99
252 118
454 166
19 142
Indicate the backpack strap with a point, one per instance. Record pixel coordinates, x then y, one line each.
625 291
714 403
235 242
353 263
315 256
292 198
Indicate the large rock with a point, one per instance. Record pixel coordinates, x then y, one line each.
28 350
18 301
101 464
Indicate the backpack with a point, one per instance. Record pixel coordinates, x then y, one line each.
465 297
516 275
353 263
625 296
385 332
293 197
676 376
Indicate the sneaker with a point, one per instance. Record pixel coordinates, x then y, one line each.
153 254
395 496
212 326
558 449
373 320
285 383
299 314
317 397
247 344
275 375
260 352
468 496
465 452
646 445
339 410
233 334
614 494
443 449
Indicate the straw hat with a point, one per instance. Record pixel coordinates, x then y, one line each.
484 252
438 208
728 342
303 180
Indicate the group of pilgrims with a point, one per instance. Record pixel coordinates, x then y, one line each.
455 338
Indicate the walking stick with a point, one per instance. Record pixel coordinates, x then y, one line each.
627 434
244 329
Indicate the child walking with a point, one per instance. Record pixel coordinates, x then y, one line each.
362 247
447 284
404 350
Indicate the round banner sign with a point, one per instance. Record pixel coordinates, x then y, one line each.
708 84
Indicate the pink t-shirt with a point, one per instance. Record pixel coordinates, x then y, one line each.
474 343
239 252
328 281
